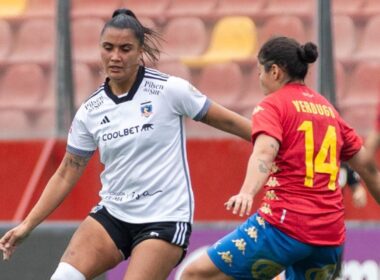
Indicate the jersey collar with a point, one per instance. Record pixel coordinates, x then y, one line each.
132 91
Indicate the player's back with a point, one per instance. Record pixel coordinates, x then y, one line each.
302 197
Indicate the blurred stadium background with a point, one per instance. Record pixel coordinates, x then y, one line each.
49 63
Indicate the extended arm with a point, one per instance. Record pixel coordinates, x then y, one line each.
365 165
372 143
359 195
228 121
259 167
58 187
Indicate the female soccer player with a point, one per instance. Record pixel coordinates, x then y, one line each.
136 121
299 140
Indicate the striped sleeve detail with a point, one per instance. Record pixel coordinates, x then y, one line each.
95 93
79 152
203 111
154 74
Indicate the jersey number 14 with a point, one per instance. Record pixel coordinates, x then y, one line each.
320 163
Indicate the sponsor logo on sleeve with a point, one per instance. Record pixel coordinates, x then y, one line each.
94 103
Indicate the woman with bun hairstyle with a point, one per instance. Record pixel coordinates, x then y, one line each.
299 141
136 122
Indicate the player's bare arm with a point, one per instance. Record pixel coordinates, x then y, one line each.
372 143
228 121
58 187
258 170
365 165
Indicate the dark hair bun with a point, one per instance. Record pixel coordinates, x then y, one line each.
308 52
126 12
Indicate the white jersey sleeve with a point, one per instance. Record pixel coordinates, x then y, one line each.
186 100
80 141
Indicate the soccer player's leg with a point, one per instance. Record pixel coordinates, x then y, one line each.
90 252
157 248
203 268
249 252
321 264
153 259
246 253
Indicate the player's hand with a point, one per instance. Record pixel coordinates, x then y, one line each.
359 197
240 203
11 239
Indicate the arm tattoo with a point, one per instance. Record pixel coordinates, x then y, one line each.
372 169
263 168
76 162
275 149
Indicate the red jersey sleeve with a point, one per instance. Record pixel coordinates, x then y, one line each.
266 119
352 142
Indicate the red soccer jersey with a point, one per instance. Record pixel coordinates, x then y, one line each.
302 197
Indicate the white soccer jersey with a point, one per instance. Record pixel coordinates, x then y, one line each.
141 142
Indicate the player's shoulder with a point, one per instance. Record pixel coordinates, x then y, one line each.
154 74
167 79
95 100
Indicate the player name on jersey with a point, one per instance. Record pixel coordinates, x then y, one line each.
313 108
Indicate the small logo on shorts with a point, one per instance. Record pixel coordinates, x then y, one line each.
155 234
96 208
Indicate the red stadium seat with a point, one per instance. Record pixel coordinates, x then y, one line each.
222 83
358 106
94 8
311 77
6 39
340 82
84 83
198 8
35 42
252 93
85 39
344 37
13 123
364 82
291 26
99 76
371 8
147 22
241 7
40 8
369 44
199 130
184 36
345 7
22 86
148 8
43 122
175 68
301 8
361 117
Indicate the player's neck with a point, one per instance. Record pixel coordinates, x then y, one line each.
120 87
